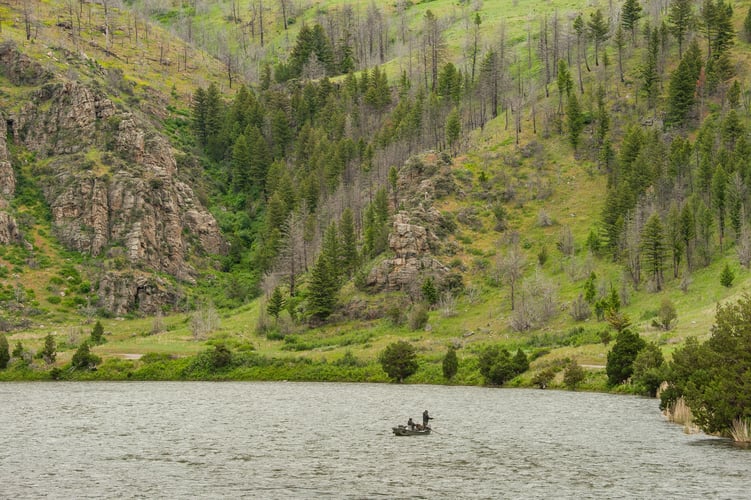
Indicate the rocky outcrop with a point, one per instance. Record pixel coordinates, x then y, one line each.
112 184
112 181
7 177
19 68
123 292
411 245
9 232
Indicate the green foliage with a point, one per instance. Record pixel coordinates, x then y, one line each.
714 376
573 375
648 369
84 359
417 317
542 378
497 365
429 291
49 352
622 355
4 351
399 360
97 334
450 364
575 120
666 315
276 303
727 276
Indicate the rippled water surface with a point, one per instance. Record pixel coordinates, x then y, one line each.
299 440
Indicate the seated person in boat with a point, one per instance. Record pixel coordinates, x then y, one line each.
410 424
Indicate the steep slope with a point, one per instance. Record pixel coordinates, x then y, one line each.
109 177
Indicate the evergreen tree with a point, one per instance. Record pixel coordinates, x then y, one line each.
429 291
620 361
680 19
687 230
674 238
520 362
603 118
649 72
575 120
83 358
276 303
348 243
199 115
573 375
598 31
323 283
97 333
399 360
4 351
631 12
450 364
727 276
747 26
564 82
653 249
453 129
241 161
682 87
720 199
49 352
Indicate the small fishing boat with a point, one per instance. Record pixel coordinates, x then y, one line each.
403 430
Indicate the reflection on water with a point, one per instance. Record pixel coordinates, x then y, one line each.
298 440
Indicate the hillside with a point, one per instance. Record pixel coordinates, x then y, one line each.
449 174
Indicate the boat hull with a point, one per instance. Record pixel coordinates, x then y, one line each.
406 431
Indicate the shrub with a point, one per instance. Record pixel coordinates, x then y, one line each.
542 378
666 315
450 364
399 360
429 291
727 276
49 352
573 375
620 364
648 372
97 334
84 359
418 317
496 365
4 353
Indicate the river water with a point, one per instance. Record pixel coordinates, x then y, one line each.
306 440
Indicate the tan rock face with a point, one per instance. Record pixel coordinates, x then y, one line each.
123 292
7 177
9 232
413 259
111 182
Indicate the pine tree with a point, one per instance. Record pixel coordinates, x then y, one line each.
97 333
199 115
241 161
631 12
575 120
649 73
276 303
564 82
727 276
680 19
598 30
450 364
674 238
49 352
687 230
429 291
348 242
719 199
653 249
682 86
323 284
453 129
4 351
747 26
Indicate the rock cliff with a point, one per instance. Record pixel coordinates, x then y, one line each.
111 182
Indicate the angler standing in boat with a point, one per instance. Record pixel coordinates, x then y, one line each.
426 418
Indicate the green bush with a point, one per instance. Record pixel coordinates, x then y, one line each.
399 360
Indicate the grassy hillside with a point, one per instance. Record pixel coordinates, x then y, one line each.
554 191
